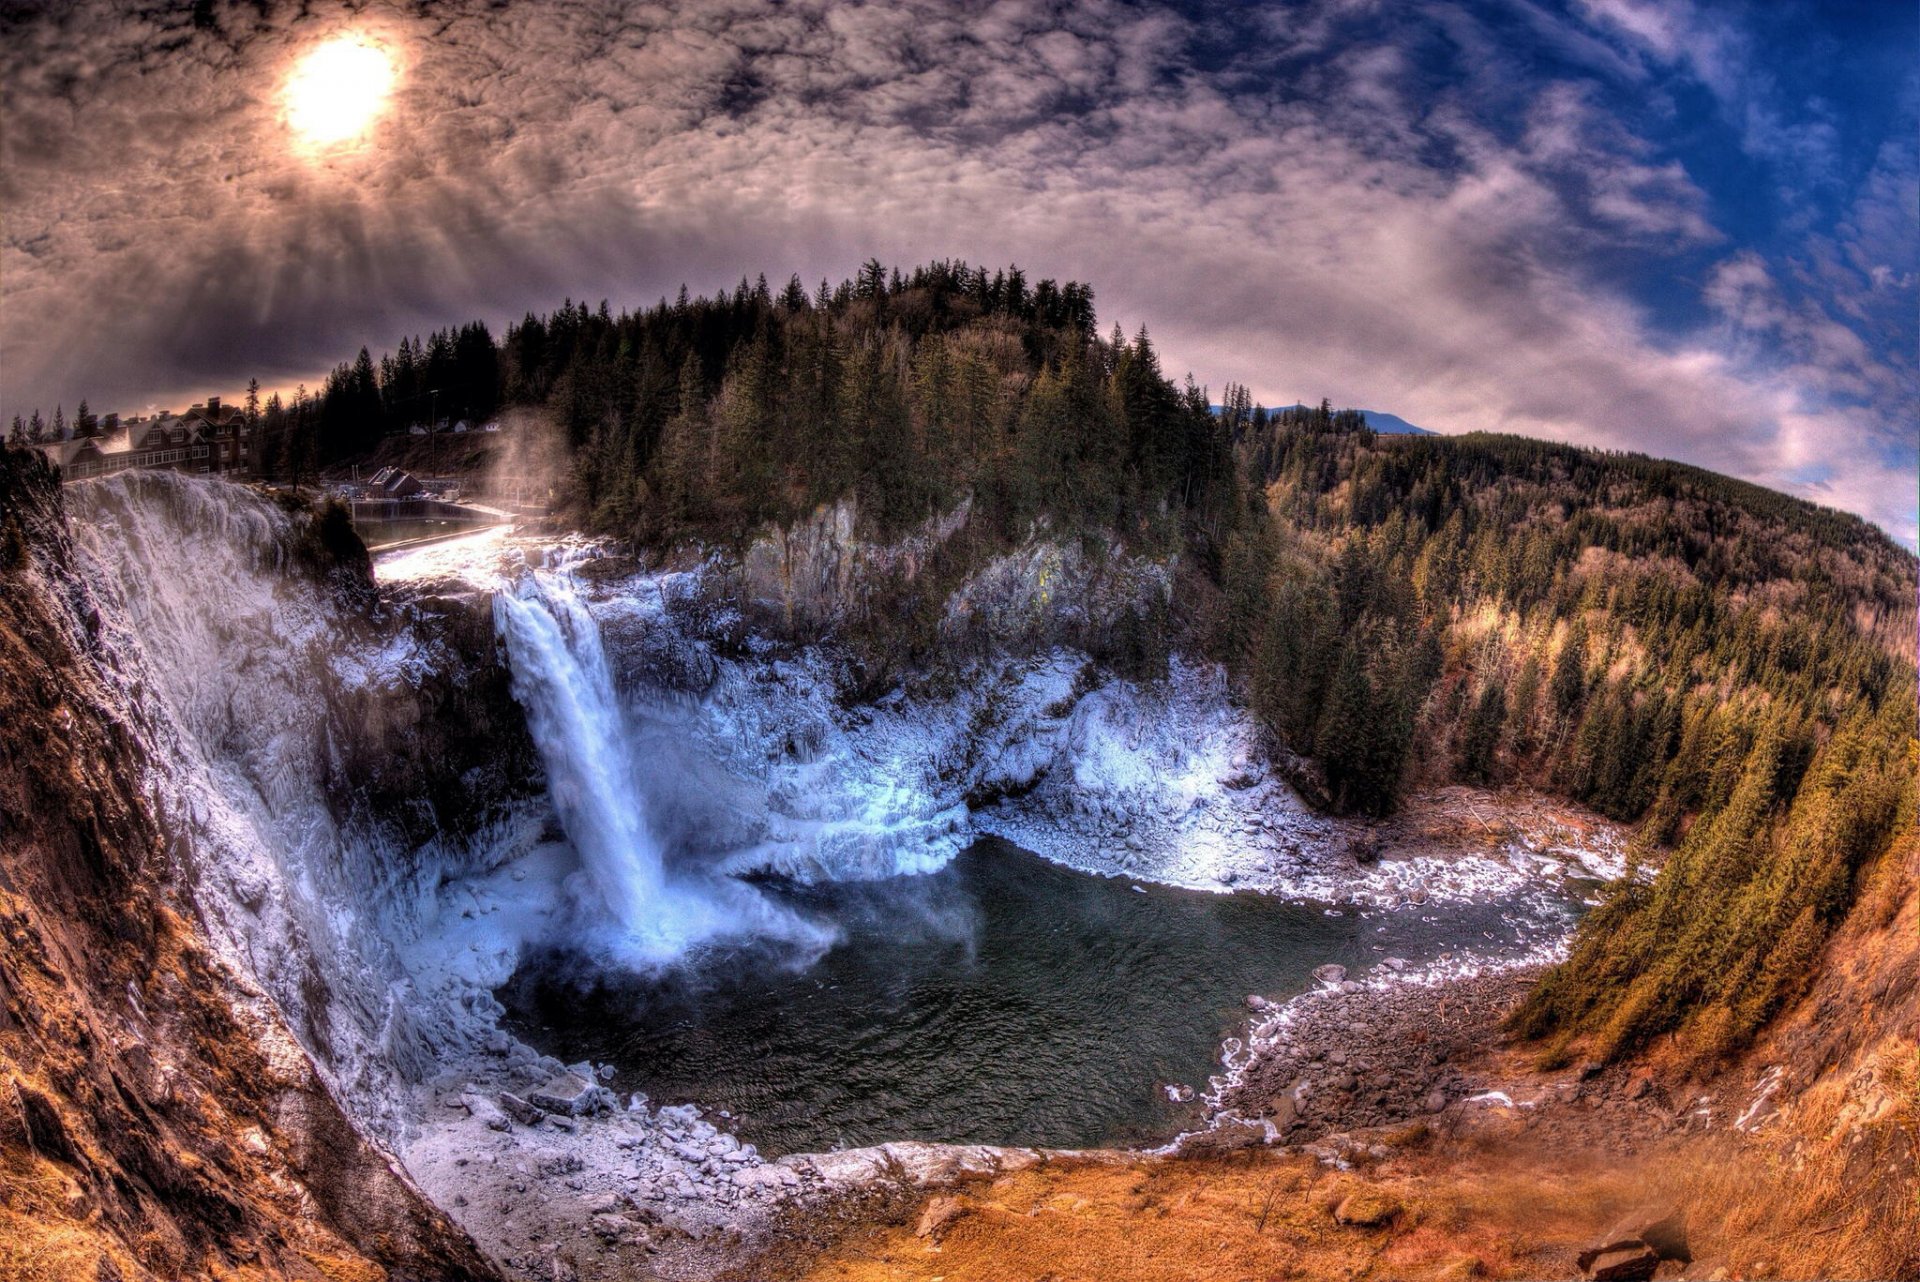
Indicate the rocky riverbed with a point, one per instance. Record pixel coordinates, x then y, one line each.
1357 1055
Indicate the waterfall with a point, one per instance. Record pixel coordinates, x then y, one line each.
562 680
648 912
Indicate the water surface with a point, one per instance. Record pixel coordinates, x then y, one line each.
1002 1000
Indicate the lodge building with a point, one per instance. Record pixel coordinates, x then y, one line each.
209 438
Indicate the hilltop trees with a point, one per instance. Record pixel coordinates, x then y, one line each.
904 390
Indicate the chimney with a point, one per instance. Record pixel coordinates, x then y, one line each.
213 407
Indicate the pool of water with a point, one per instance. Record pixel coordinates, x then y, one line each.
1002 1000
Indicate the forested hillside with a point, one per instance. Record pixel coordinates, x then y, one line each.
1732 668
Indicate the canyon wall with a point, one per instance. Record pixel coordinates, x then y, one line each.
164 1119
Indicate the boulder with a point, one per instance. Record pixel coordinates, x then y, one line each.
486 1111
1664 1229
570 1094
1366 1209
611 1228
519 1110
940 1213
1623 1264
1330 974
1661 1230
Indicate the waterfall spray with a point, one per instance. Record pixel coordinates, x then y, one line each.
562 678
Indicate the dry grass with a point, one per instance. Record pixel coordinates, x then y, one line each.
1504 1202
1259 1216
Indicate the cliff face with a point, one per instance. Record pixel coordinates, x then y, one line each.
946 588
163 1121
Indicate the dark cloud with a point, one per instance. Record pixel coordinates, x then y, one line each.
1422 209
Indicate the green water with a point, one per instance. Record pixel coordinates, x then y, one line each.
1003 1000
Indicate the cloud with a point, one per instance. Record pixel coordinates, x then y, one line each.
1331 199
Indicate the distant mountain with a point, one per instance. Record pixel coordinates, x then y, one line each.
1379 420
1393 424
1384 423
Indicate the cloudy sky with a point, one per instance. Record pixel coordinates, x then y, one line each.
1677 227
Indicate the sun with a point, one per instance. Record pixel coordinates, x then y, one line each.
338 90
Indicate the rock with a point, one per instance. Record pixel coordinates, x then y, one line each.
940 1213
1349 986
1435 1102
1662 1230
1366 1209
1625 1264
679 1115
1330 974
519 1110
611 1228
1458 1268
637 1102
1256 1002
570 1093
486 1111
1395 964
1637 1246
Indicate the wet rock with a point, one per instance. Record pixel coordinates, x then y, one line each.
1330 974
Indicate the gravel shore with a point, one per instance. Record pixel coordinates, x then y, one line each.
1351 1056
